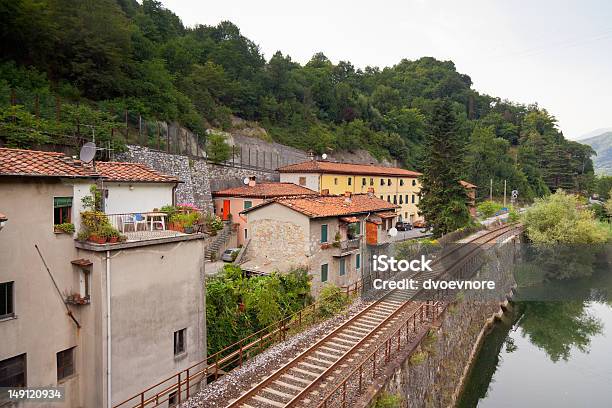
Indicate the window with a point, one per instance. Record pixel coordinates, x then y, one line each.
371 181
62 208
413 183
302 181
406 198
248 204
363 181
336 180
388 182
406 215
401 199
324 233
382 182
394 199
401 182
342 270
65 364
389 198
179 342
246 233
324 268
350 180
413 198
173 399
84 283
357 261
13 372
7 306
382 197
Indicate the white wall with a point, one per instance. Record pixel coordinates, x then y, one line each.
141 198
312 179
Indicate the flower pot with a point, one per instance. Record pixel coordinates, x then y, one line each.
189 230
97 239
113 240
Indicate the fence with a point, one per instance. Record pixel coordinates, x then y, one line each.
181 386
137 129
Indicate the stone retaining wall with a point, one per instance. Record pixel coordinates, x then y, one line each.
199 178
446 350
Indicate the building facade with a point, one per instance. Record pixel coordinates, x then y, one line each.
394 185
101 321
327 235
232 201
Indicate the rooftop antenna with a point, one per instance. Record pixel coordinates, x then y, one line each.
89 149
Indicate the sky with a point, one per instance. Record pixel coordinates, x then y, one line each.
554 52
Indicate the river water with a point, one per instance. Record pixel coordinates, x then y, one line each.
549 353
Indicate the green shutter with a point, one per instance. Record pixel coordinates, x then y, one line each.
60 202
324 273
324 233
358 261
342 266
248 204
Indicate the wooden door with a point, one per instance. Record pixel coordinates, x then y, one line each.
226 210
371 233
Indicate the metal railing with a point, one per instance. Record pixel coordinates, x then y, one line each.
135 222
350 244
355 382
184 383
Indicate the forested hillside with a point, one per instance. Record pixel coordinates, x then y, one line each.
122 55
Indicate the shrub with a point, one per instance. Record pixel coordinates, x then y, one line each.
488 208
332 300
418 358
217 149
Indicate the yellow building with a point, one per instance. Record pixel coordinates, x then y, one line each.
395 185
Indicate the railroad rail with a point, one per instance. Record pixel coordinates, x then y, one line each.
303 380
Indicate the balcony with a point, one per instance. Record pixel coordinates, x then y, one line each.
144 226
349 246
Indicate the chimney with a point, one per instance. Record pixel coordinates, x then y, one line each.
370 192
311 155
325 191
252 181
347 197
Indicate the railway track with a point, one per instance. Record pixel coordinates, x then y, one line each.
302 381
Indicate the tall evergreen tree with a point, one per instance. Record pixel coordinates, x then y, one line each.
444 201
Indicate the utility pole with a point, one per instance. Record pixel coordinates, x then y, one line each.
505 181
491 191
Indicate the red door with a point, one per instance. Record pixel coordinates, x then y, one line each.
226 210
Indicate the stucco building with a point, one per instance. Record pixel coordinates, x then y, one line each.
103 321
327 235
232 201
394 185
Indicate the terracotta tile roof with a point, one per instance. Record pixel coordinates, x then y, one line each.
265 190
136 172
314 166
332 205
19 162
467 184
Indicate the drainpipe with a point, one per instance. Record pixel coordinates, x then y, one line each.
108 331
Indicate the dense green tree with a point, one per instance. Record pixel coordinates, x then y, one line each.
444 201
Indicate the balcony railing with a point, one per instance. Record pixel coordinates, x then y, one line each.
350 244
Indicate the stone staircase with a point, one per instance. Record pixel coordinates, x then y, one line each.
219 241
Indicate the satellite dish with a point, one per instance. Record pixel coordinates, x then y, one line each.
246 181
324 156
88 152
393 231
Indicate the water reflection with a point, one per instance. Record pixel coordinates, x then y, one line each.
549 352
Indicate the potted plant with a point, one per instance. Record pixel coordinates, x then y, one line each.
66 228
112 234
97 236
